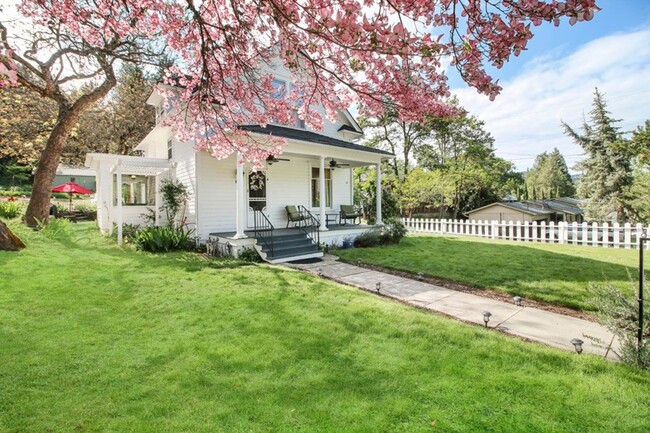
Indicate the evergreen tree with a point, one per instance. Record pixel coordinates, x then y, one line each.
606 170
550 177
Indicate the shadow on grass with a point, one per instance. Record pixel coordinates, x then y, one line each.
561 277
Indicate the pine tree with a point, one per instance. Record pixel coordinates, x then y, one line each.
607 172
549 177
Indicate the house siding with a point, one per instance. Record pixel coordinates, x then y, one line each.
502 213
216 194
184 156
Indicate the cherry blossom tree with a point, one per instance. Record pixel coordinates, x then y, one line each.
339 52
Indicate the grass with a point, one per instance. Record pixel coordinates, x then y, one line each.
99 339
558 274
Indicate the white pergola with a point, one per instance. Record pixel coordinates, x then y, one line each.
108 164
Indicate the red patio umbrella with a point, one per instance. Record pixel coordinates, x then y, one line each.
72 188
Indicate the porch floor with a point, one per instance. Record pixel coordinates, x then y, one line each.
285 231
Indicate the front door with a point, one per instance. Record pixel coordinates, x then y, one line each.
256 195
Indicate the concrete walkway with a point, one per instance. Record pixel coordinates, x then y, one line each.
552 329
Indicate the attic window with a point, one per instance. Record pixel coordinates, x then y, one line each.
280 92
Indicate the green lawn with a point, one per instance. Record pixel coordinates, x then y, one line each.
559 274
98 339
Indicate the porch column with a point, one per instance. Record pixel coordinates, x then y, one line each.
157 200
321 180
118 173
378 193
240 198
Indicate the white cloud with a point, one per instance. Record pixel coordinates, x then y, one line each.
525 118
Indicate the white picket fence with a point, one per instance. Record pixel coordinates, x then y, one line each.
597 235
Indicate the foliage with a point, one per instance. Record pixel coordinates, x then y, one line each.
619 311
559 274
129 232
337 53
249 255
365 194
56 229
11 209
26 121
549 177
174 195
164 239
86 207
368 239
462 152
391 232
606 170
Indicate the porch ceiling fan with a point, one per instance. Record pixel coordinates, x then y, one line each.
270 160
334 164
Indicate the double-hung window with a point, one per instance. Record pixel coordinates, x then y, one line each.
315 187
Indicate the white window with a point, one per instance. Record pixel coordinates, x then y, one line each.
315 187
170 152
136 190
280 92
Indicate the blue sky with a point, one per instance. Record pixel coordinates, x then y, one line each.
554 80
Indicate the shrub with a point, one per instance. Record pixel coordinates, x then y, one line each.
620 313
11 209
129 232
368 239
86 207
56 228
174 195
249 255
392 232
164 239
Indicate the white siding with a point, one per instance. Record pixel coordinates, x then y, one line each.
288 184
216 194
185 158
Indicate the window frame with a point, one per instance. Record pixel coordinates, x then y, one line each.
314 190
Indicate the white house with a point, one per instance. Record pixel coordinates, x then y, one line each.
232 206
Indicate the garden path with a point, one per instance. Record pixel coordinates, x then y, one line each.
530 323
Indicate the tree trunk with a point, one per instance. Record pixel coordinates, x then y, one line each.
8 240
39 203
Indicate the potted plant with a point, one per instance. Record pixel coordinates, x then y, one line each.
347 243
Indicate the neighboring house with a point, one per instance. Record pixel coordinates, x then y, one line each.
231 206
556 210
83 176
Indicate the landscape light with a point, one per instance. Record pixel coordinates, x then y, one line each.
486 317
378 286
577 343
319 271
518 300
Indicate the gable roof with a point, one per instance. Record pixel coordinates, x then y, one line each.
309 136
515 205
539 207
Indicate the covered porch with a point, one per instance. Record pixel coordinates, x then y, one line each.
127 189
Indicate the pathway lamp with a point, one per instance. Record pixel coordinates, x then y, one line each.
518 300
577 344
486 317
378 286
319 271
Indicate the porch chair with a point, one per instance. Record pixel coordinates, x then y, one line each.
294 216
348 212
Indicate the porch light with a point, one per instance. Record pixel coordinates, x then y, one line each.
577 344
518 300
378 286
486 317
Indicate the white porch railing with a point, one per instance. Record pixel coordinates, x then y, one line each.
596 235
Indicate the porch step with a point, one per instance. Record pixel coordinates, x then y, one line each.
289 247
